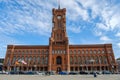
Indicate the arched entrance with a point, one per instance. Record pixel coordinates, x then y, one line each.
59 69
59 60
59 63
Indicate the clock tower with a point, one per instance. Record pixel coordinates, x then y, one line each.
58 42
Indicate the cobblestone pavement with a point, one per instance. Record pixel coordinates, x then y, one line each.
59 77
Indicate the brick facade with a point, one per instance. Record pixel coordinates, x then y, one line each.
59 55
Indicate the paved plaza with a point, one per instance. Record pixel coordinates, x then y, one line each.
59 77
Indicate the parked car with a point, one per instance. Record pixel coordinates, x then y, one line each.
13 72
83 72
50 73
30 73
63 73
73 73
106 72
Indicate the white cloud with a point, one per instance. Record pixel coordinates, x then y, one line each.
118 34
105 38
102 26
74 29
118 44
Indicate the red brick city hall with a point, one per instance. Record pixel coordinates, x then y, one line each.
59 55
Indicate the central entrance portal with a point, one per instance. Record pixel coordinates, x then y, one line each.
59 63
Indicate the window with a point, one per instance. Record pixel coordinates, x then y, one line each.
34 51
60 36
103 51
38 51
94 51
58 51
79 61
98 51
42 59
82 51
75 60
38 60
109 51
71 60
70 51
26 58
74 51
42 51
90 51
22 58
52 51
34 59
78 51
58 60
64 51
47 52
46 60
86 51
9 51
97 60
30 51
59 17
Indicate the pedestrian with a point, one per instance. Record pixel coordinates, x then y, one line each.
95 74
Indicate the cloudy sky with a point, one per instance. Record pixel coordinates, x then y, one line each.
29 22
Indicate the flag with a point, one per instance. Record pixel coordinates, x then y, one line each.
23 62
17 63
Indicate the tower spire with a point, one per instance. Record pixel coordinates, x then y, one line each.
58 4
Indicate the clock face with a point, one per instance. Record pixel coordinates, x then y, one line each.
58 17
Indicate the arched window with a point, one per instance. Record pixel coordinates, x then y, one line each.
70 51
58 60
34 60
60 36
42 59
97 60
75 60
71 60
38 51
46 60
94 51
52 51
86 51
103 51
78 51
38 60
82 51
74 51
98 51
42 51
79 60
22 58
30 60
47 51
90 51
